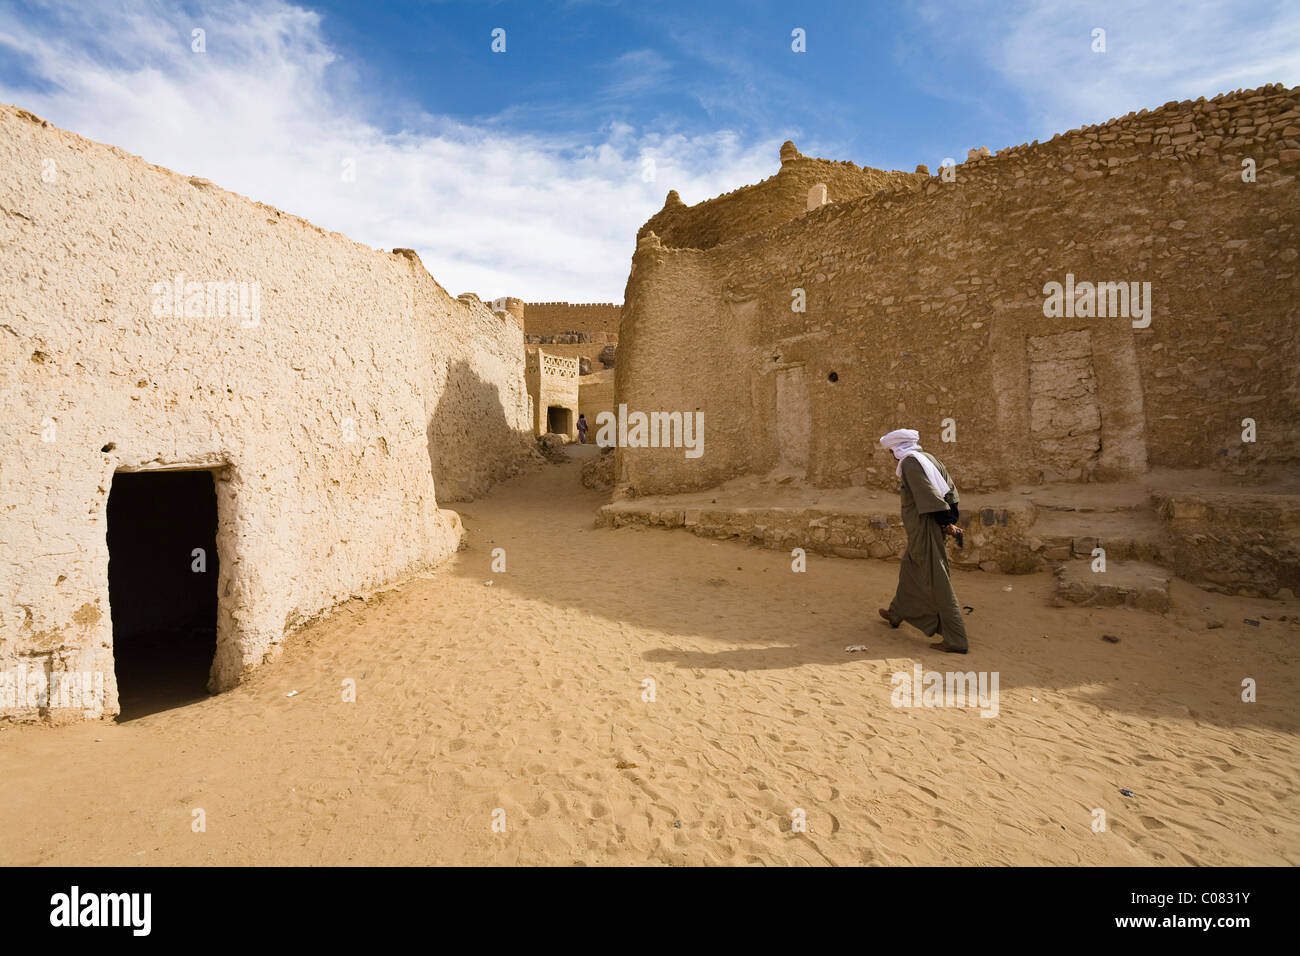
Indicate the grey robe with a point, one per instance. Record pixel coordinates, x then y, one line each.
925 598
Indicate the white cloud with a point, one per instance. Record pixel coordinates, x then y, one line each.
636 72
1155 52
265 112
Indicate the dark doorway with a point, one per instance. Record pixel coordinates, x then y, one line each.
162 587
558 419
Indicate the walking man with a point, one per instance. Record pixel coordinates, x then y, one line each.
925 598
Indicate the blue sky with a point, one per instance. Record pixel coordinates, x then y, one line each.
528 172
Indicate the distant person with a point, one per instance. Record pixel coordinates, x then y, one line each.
925 598
582 429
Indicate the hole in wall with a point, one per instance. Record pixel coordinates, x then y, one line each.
162 587
833 377
109 447
558 419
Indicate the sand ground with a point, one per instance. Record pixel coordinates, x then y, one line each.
527 696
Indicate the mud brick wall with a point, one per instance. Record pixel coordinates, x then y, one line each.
925 305
329 418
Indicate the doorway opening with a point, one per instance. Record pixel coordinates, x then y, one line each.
162 587
558 419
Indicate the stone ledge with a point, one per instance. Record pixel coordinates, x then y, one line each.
1142 586
1236 542
996 537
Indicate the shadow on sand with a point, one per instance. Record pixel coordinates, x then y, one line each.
678 584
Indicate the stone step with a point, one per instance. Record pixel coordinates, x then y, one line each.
1137 535
1130 583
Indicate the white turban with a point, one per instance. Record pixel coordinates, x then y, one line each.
904 443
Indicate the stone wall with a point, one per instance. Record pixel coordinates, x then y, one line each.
775 200
924 308
331 389
596 395
478 423
1236 543
599 319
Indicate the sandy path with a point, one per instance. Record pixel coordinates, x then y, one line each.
527 695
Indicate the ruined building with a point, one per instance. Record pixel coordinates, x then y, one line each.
597 323
1119 300
584 331
218 419
552 393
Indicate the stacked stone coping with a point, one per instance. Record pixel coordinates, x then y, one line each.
1085 153
798 171
575 305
